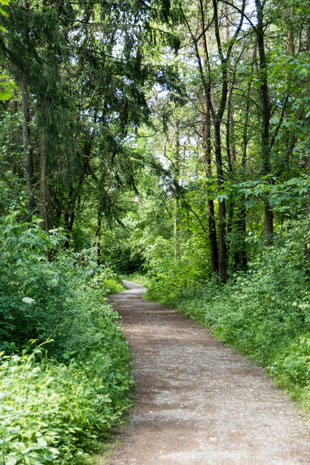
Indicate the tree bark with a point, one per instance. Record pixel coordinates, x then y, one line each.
290 35
265 123
206 134
176 200
98 235
28 152
222 203
207 158
217 123
45 199
224 54
307 158
240 259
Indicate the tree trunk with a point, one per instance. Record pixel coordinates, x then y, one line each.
176 200
231 158
265 124
224 54
217 123
240 256
207 158
307 160
230 221
290 35
222 204
206 135
28 152
70 210
45 200
98 235
240 259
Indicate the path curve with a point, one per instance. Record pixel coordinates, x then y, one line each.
197 401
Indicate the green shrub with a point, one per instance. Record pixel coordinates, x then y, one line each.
40 298
137 278
57 404
168 278
264 313
113 285
52 413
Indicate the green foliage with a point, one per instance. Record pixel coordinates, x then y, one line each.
113 285
119 248
52 413
42 298
7 85
59 400
85 96
137 278
167 276
264 313
12 187
90 73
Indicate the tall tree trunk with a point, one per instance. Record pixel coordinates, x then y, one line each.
307 160
206 134
230 221
241 254
217 115
290 35
176 200
217 123
265 124
45 199
222 204
240 257
207 158
70 209
98 235
231 157
28 152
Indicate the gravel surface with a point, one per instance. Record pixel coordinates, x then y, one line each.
197 401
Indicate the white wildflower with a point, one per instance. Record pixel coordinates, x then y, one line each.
28 300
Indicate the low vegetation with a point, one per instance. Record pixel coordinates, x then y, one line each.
263 312
137 277
65 366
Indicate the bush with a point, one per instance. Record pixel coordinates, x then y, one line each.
167 277
52 413
42 298
263 313
57 403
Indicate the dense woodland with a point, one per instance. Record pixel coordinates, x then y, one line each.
170 139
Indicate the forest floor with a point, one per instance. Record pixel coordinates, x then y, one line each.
198 402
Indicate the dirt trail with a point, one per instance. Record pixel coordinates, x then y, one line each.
197 401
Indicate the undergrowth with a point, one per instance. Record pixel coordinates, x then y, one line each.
56 413
263 313
65 376
137 278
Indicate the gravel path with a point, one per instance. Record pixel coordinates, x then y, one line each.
197 401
